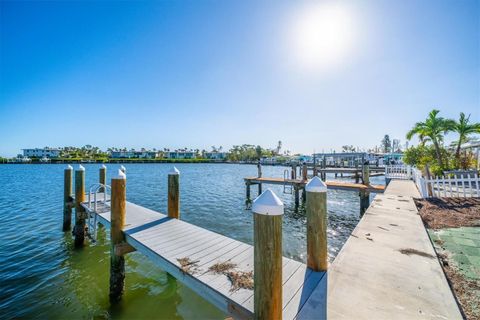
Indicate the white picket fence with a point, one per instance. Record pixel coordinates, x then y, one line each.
458 186
401 172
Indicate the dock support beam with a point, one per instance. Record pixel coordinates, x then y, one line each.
118 211
102 177
304 172
297 195
316 209
267 219
174 193
247 190
364 194
67 199
79 229
259 168
364 201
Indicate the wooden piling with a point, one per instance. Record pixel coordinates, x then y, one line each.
297 195
316 211
118 211
267 218
80 214
67 198
247 190
364 201
304 172
259 168
365 174
102 177
174 193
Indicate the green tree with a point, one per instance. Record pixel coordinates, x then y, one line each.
386 144
464 128
433 129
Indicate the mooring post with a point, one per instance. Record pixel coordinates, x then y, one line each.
67 198
294 171
174 193
267 263
324 166
366 174
316 211
118 210
102 177
364 201
259 168
304 172
297 196
79 229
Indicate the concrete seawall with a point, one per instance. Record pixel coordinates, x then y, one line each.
387 269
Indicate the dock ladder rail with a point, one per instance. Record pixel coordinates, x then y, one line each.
288 189
94 209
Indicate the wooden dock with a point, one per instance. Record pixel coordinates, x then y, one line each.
167 241
335 185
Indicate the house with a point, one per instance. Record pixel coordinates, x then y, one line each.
179 154
41 153
133 154
215 155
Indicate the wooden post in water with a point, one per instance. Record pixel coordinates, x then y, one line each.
102 177
316 211
366 174
67 198
118 211
324 166
79 229
267 263
364 194
174 193
304 172
247 189
297 195
294 171
259 175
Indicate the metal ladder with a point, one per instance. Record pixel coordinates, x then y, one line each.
96 207
288 189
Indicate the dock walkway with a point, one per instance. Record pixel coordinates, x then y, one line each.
335 185
387 269
165 240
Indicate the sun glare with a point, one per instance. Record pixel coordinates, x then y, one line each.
320 36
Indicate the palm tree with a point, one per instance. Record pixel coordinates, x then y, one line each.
464 129
432 129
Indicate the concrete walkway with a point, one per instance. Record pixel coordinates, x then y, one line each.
387 269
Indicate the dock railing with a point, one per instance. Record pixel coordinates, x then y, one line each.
458 185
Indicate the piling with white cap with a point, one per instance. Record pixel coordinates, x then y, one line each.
316 212
67 198
174 193
79 229
118 211
267 219
102 176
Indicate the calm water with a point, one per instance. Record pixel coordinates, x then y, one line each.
42 276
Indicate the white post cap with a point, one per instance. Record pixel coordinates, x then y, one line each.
316 185
123 168
120 175
268 204
173 171
81 168
69 167
104 166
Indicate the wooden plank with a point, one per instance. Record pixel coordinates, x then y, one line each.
295 304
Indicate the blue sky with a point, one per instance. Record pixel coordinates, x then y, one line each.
201 73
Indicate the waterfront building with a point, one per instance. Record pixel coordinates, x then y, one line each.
124 154
215 155
179 154
41 153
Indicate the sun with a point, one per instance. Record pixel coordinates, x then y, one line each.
320 36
